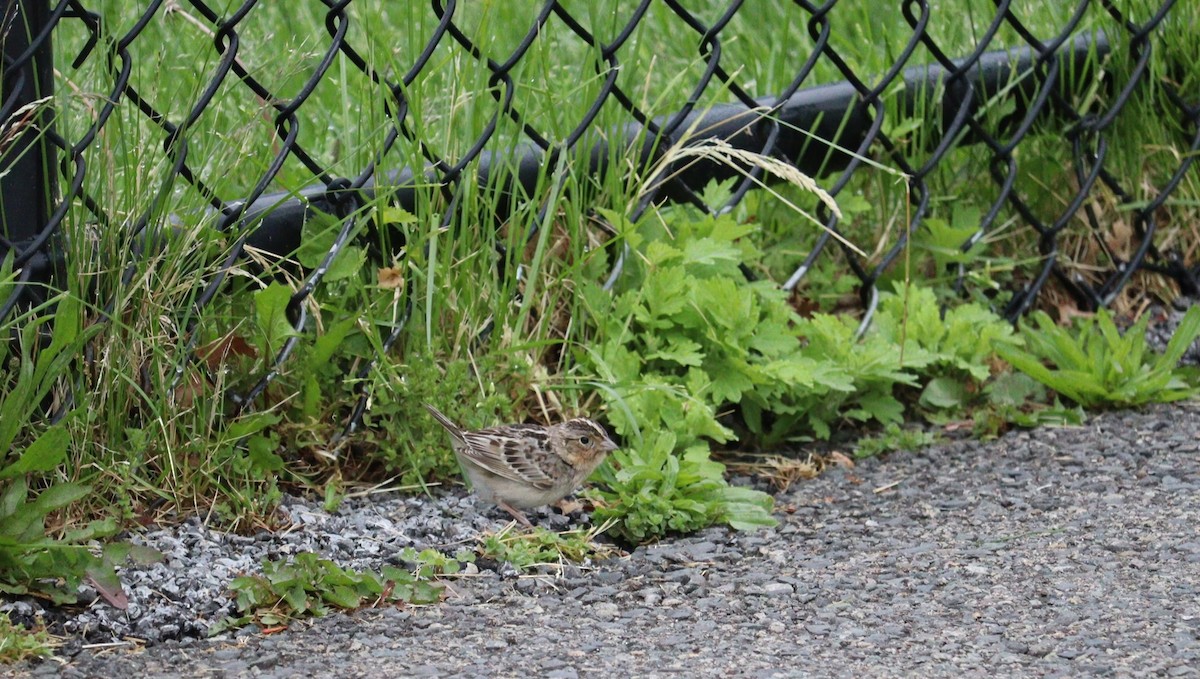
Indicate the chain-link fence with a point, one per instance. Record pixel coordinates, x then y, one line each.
832 114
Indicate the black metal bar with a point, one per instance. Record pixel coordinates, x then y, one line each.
28 180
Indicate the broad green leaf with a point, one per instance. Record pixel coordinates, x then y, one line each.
348 262
297 598
270 309
60 495
1135 338
425 593
24 526
706 251
730 379
944 393
144 555
329 341
94 530
116 552
774 339
680 350
343 597
46 452
734 307
665 294
1014 389
717 192
310 400
944 241
727 229
853 203
745 516
262 453
1185 335
390 214
13 496
252 424
883 407
317 236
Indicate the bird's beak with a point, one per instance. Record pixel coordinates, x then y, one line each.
609 446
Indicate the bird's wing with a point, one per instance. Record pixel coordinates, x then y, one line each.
517 452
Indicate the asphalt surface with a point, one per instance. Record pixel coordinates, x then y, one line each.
1055 552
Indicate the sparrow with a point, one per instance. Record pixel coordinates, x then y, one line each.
518 466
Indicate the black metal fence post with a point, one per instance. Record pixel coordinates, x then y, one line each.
28 180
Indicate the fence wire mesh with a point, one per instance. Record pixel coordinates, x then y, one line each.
832 114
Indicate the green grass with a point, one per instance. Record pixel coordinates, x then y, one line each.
18 643
152 430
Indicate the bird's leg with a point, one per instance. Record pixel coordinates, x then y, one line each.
516 513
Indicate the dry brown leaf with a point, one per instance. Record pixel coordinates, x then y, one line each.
218 351
1120 238
189 390
109 588
390 278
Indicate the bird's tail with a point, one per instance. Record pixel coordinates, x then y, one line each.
445 421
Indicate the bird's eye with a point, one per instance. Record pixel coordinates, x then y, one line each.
584 440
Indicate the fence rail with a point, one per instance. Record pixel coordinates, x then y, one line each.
49 179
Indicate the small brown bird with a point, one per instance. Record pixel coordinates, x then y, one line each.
518 466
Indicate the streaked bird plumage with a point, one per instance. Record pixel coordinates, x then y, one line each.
518 466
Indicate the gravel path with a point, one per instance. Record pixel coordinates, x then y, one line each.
1057 552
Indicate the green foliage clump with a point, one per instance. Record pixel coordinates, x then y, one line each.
34 561
540 547
857 380
657 490
357 307
951 350
308 585
911 345
18 643
53 566
687 336
1097 366
958 341
416 446
431 563
893 438
1015 398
